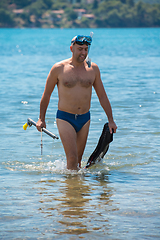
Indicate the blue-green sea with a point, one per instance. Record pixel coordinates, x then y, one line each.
118 198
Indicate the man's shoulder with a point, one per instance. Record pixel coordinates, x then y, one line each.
94 66
60 65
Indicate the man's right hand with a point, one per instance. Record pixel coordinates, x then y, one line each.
40 124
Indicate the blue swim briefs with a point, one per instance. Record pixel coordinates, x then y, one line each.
76 120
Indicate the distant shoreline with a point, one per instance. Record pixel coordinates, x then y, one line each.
80 14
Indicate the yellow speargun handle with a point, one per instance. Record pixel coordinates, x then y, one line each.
25 126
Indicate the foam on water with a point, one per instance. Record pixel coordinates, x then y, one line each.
58 166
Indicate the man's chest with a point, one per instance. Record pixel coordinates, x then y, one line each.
83 78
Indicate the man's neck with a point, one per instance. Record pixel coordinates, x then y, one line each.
78 64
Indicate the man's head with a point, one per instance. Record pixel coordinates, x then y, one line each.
80 47
81 40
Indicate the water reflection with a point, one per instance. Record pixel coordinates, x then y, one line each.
106 191
76 195
77 203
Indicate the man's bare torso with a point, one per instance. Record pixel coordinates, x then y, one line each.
75 87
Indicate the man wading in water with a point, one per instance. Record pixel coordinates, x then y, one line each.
75 79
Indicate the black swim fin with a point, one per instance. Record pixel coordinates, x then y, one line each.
102 146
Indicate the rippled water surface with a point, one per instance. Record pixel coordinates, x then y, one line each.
118 198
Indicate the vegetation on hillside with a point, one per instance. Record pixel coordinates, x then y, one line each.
79 13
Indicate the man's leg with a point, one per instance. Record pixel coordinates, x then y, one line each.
68 137
81 141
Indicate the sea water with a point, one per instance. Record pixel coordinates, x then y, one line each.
120 197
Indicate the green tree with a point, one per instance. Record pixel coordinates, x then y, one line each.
6 19
113 18
26 18
48 3
85 22
155 13
95 4
140 11
21 3
107 6
130 3
3 4
59 4
37 8
71 14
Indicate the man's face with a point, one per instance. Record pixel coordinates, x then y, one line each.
80 52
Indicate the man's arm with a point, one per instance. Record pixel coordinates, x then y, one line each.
52 80
104 101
